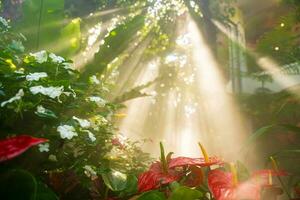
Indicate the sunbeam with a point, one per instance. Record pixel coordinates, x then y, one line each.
225 123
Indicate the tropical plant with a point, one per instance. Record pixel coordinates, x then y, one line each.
43 96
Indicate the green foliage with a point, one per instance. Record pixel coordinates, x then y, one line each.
42 95
115 180
21 184
116 42
223 10
187 193
152 195
71 38
10 43
242 171
40 23
281 43
18 184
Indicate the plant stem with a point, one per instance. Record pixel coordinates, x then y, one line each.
39 25
284 188
106 193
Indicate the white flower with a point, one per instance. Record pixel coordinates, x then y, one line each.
20 71
73 93
90 172
18 96
44 147
41 109
52 92
68 65
98 100
91 135
94 80
82 122
4 22
56 59
36 76
40 56
66 132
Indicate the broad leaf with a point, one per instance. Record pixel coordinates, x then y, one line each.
257 134
114 180
152 195
18 184
185 193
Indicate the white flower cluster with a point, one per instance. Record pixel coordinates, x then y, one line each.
67 132
4 22
98 100
40 56
18 96
82 122
56 59
52 92
91 136
36 76
86 124
94 80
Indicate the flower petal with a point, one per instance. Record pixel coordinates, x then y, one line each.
186 161
15 146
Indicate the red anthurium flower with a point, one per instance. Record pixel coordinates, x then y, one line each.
156 177
265 175
185 161
165 171
14 146
223 187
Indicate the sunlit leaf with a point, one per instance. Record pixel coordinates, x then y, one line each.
152 195
114 180
185 193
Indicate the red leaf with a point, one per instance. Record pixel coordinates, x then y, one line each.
266 172
14 146
221 185
152 180
220 182
185 161
263 175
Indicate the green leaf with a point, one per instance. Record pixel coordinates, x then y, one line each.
152 195
71 38
242 171
45 193
115 180
266 130
185 193
47 114
114 44
286 152
291 128
51 16
174 185
131 185
18 184
257 134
